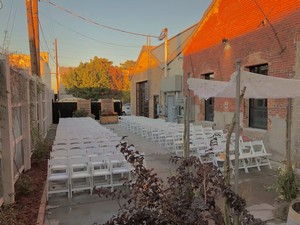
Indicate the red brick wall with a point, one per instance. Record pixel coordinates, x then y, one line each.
259 46
232 18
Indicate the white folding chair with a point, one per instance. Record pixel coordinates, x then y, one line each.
178 141
261 153
247 154
120 169
58 176
80 176
100 171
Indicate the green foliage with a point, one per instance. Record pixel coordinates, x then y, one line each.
40 150
92 74
189 197
125 96
39 146
80 113
98 93
286 184
24 185
98 79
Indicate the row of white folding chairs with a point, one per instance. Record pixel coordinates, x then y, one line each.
69 175
168 135
88 131
198 135
88 141
76 127
81 133
69 153
251 154
69 124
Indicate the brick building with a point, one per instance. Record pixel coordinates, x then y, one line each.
265 36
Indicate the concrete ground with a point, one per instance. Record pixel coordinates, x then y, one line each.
85 209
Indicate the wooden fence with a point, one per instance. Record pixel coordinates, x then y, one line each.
25 107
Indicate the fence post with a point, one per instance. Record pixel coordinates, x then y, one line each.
26 127
6 132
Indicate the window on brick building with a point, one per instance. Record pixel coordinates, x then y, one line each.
209 103
258 108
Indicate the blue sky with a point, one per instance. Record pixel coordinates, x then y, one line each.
79 40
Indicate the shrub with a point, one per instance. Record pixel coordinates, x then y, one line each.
286 184
188 198
287 187
40 150
24 185
80 113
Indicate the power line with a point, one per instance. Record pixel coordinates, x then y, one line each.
271 25
51 56
12 28
6 37
98 24
93 39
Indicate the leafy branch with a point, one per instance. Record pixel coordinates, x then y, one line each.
189 197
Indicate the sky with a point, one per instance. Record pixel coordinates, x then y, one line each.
80 40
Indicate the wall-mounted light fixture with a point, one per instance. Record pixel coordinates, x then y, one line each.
224 40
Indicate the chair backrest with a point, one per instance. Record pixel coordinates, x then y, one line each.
77 153
118 160
94 151
59 154
57 162
58 166
258 147
99 158
246 148
75 146
84 161
60 148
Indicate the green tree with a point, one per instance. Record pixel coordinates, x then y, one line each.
99 79
128 69
92 74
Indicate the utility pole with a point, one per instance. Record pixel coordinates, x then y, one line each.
164 36
56 66
165 30
31 36
35 17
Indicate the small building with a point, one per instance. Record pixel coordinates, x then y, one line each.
156 91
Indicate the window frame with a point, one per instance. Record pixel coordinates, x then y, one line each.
258 108
209 104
